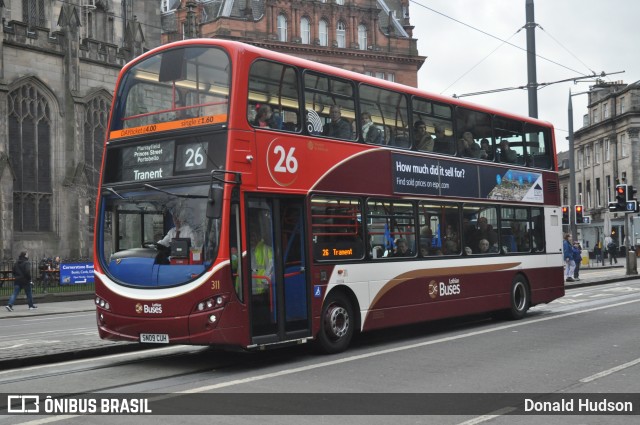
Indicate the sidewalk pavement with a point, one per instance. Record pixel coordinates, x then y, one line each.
42 349
24 354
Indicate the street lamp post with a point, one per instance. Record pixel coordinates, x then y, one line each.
572 173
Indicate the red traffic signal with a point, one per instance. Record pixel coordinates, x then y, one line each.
622 193
565 214
579 217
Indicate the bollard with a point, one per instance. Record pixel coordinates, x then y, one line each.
632 263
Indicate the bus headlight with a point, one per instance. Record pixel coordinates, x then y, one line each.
102 303
212 303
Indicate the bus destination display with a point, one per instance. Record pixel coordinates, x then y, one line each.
159 160
148 162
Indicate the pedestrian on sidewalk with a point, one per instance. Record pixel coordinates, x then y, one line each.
612 248
597 252
22 275
577 258
567 254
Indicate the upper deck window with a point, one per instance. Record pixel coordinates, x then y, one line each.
433 127
472 129
190 85
273 96
538 144
330 106
387 122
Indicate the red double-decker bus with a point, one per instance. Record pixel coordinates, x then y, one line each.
254 199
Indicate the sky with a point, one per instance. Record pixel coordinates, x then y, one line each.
576 38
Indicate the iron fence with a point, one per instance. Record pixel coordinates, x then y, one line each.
45 277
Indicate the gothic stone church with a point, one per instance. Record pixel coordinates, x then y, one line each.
58 65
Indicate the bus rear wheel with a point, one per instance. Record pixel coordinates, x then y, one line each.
337 324
520 298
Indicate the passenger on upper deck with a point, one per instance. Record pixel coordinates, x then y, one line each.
423 140
468 147
263 116
486 146
338 127
370 133
443 143
506 153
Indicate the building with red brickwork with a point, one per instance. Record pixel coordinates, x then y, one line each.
372 37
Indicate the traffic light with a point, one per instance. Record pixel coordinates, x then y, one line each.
579 218
620 204
565 214
625 199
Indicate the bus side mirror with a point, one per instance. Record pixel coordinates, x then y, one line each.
214 201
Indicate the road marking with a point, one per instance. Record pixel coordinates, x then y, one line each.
12 347
610 371
349 359
484 418
394 350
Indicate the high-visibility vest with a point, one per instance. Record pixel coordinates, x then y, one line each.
263 256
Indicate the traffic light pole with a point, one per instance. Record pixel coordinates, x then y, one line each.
631 259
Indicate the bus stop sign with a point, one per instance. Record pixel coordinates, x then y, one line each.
76 273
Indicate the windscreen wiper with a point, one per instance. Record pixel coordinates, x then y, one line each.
112 190
177 195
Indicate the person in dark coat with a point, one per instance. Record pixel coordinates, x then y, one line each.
577 257
612 249
22 276
567 255
338 127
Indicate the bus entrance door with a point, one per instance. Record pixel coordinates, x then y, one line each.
279 295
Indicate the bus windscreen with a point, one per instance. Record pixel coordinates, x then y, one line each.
177 88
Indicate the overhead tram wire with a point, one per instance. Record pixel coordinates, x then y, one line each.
565 49
539 85
481 60
493 36
523 87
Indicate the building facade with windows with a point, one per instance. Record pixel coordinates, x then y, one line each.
58 66
607 152
59 61
372 37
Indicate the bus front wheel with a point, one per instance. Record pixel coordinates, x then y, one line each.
520 298
337 324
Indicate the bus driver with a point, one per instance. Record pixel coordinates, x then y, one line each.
181 229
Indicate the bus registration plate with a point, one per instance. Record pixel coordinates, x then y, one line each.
154 338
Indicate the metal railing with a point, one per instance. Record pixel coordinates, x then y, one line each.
44 281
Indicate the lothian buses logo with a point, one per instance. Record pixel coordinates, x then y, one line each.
444 289
155 308
433 289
